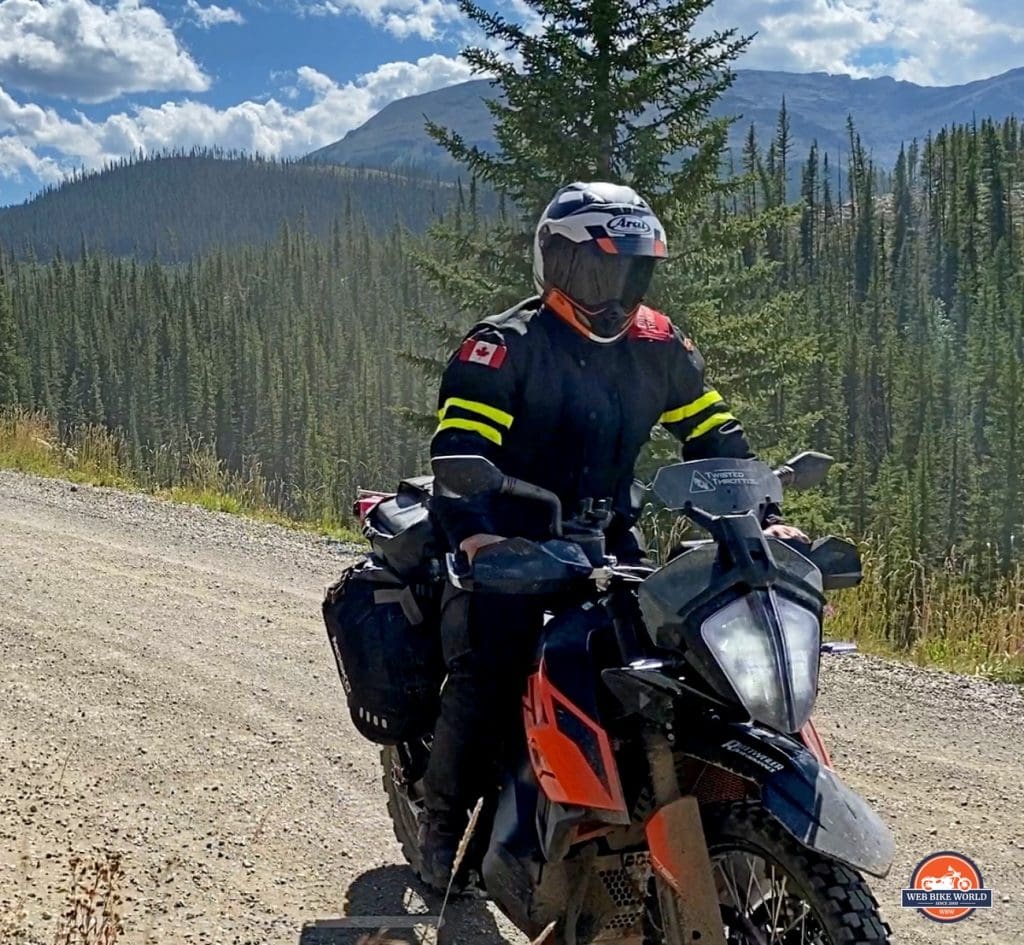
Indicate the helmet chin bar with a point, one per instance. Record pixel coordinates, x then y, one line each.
580 317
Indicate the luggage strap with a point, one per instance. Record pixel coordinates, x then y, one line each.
403 597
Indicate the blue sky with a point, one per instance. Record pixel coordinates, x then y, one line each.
86 81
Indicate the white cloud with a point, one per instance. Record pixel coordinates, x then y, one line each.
90 52
213 15
78 46
932 42
16 157
270 127
401 18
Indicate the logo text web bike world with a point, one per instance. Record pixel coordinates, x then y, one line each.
947 887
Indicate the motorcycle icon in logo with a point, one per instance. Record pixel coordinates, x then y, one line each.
947 887
953 879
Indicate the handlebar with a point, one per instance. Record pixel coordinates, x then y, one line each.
527 490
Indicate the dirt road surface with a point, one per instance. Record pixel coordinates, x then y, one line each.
167 693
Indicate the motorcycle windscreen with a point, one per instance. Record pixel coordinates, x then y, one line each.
719 486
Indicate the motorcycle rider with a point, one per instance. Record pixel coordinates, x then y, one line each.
562 390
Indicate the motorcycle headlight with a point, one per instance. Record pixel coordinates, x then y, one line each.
775 674
738 641
801 633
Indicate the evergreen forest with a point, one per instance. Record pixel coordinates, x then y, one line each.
902 293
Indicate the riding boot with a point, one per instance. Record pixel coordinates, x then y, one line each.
439 837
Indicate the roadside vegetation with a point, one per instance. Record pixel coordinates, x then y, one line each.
93 455
957 616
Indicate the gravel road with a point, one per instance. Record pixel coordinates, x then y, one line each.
167 693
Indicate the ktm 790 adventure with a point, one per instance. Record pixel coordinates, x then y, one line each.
670 787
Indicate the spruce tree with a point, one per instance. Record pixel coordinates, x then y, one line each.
606 90
615 90
10 361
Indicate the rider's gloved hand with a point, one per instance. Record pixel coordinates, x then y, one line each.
470 546
786 532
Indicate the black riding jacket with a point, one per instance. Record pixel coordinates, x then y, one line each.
549 406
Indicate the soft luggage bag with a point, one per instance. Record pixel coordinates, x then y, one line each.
386 640
402 534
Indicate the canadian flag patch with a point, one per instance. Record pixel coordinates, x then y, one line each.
486 353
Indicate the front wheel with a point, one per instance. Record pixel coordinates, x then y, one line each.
773 890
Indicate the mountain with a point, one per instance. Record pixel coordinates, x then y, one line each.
175 206
886 112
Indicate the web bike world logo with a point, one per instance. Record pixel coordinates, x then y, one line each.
947 887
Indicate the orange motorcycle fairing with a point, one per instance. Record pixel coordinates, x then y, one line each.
571 753
814 743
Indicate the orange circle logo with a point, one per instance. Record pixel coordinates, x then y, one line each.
947 887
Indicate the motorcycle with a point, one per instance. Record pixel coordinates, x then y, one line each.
669 786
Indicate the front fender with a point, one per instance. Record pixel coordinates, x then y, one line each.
806 798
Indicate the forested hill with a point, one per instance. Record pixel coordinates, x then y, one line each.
172 207
888 113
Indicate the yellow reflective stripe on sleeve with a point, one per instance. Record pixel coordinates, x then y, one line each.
456 423
474 406
709 399
712 423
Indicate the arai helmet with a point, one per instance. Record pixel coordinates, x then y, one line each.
594 255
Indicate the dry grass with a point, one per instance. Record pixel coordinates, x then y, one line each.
956 616
93 912
31 443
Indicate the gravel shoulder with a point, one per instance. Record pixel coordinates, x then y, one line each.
167 692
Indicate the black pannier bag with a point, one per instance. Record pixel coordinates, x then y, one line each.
386 641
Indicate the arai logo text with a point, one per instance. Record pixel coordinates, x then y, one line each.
629 226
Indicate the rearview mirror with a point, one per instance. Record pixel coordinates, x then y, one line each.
466 475
805 470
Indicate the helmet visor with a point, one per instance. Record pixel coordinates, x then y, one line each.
594 279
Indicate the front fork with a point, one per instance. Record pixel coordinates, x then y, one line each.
681 862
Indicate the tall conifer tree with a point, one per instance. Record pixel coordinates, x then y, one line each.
601 90
10 361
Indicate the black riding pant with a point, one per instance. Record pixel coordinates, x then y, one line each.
490 644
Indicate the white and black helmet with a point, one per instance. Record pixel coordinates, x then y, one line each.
594 255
